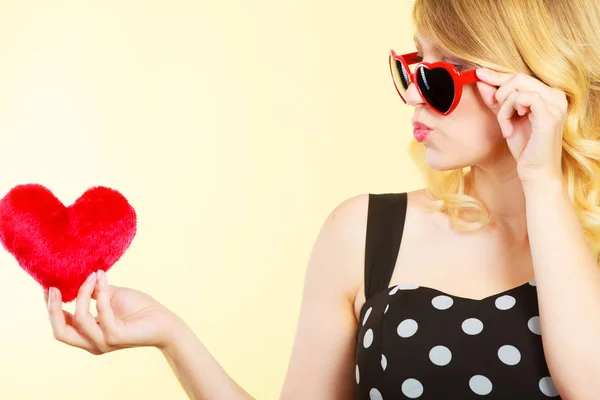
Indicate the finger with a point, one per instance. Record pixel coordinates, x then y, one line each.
505 113
531 100
106 316
83 318
63 330
525 83
109 288
535 102
75 337
488 93
492 77
521 110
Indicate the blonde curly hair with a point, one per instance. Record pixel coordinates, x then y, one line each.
557 42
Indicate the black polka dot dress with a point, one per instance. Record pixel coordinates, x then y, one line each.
416 342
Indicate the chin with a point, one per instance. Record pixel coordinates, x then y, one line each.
437 161
442 168
441 164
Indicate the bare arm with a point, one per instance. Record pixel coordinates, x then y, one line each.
200 375
322 363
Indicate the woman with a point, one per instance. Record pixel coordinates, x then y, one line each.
484 284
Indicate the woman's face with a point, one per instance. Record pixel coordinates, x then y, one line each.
470 135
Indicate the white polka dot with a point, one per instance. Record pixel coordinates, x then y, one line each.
472 326
407 328
412 388
505 302
403 286
375 395
480 385
442 302
533 283
440 355
368 339
408 286
367 315
509 355
534 325
547 387
383 362
357 375
386 308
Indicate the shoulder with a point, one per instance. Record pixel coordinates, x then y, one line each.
348 219
344 235
353 211
350 212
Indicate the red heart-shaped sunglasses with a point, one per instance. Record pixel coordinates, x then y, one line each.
440 83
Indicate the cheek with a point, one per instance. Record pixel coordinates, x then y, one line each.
470 134
475 124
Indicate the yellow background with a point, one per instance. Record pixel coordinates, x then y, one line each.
233 128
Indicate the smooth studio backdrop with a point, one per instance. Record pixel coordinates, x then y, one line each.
233 128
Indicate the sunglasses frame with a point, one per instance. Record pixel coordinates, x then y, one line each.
460 78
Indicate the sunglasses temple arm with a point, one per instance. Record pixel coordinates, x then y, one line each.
468 77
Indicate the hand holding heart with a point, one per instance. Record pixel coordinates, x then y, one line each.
126 318
68 250
532 118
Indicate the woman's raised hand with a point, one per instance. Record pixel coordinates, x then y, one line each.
126 318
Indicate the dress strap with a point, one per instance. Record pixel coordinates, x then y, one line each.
385 225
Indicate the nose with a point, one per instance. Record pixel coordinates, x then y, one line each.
412 95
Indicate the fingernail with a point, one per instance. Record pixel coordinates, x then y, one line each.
483 72
100 275
91 277
50 295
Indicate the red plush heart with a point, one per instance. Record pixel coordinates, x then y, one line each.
61 246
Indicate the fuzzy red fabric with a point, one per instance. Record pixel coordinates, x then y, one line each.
61 246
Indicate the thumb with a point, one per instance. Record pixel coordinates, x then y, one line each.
488 95
109 288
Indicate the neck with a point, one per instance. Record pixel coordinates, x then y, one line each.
503 196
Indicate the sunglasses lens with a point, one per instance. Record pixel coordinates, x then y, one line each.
400 75
437 87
